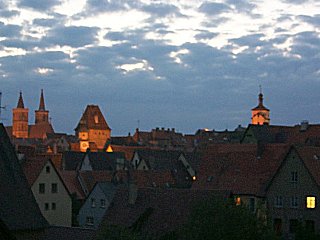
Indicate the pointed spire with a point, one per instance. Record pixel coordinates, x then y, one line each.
260 97
41 105
20 102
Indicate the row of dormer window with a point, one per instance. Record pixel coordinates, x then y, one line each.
310 202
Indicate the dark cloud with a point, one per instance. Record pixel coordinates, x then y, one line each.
162 10
8 13
295 1
242 5
252 40
9 30
212 8
47 22
71 36
314 20
204 35
39 5
96 6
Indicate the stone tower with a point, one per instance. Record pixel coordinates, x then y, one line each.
20 128
260 114
41 115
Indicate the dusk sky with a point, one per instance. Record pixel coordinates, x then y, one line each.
184 64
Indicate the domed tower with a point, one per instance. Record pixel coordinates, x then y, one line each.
260 114
41 115
20 128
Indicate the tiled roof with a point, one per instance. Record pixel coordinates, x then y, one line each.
239 168
168 208
32 168
87 120
55 232
152 178
90 178
104 160
71 160
18 208
71 181
40 130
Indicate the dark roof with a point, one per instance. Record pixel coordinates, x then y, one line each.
41 104
55 232
20 101
240 168
167 208
18 208
87 120
71 160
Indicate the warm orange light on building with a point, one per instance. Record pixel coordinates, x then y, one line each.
109 149
194 178
238 201
311 202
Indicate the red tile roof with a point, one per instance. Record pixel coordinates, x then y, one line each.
239 168
87 120
71 181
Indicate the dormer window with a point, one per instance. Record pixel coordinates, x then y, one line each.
96 119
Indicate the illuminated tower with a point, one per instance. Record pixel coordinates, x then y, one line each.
41 115
260 114
20 127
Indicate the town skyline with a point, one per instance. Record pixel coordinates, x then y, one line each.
182 64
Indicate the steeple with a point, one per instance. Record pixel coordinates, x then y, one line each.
20 101
41 115
260 114
41 105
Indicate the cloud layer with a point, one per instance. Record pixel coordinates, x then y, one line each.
183 64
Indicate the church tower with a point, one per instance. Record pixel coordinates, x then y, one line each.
20 127
41 115
260 114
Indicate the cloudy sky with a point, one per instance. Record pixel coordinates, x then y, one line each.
186 64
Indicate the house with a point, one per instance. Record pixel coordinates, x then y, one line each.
92 130
242 169
96 204
165 160
293 193
49 190
152 211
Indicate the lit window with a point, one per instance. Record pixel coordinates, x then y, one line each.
96 119
311 202
294 202
194 178
278 202
93 202
238 201
54 188
294 177
41 188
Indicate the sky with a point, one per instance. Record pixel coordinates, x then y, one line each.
183 64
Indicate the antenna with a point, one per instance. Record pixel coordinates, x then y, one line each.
260 88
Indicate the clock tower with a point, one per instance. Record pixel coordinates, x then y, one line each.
260 114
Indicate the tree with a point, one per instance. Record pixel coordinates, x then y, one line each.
218 219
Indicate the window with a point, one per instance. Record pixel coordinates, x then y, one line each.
278 201
294 202
103 203
311 202
294 177
41 188
54 188
47 169
89 220
53 206
277 226
238 201
93 202
96 119
46 206
293 225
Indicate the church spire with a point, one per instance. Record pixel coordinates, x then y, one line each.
41 105
20 101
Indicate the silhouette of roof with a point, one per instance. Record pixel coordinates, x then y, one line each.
18 208
41 104
92 118
20 101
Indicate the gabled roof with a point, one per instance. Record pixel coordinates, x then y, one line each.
87 120
159 159
164 209
20 101
71 160
18 208
90 178
40 130
240 168
71 181
103 160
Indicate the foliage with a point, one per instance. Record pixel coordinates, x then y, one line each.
217 219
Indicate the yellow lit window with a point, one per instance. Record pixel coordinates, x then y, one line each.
194 178
238 201
311 202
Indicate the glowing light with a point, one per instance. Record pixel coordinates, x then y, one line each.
311 202
238 201
109 149
194 178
